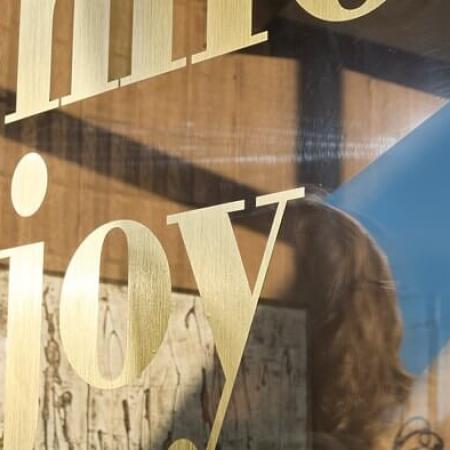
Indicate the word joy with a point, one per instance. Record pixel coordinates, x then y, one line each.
215 259
229 28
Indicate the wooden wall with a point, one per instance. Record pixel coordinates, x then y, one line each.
210 133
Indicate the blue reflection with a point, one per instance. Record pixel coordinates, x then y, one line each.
403 201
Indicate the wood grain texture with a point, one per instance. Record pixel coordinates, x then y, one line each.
210 133
177 394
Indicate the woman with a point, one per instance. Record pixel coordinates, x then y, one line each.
356 380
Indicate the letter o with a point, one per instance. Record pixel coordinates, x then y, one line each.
333 11
149 289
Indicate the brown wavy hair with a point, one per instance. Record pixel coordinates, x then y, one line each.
354 332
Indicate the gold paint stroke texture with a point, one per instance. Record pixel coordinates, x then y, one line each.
229 28
211 245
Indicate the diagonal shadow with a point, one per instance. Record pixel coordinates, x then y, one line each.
114 155
291 39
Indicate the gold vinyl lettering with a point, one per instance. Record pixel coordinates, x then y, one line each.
229 28
149 290
34 62
90 58
183 444
229 302
333 11
25 291
24 338
152 40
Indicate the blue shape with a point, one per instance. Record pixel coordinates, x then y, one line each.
403 200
